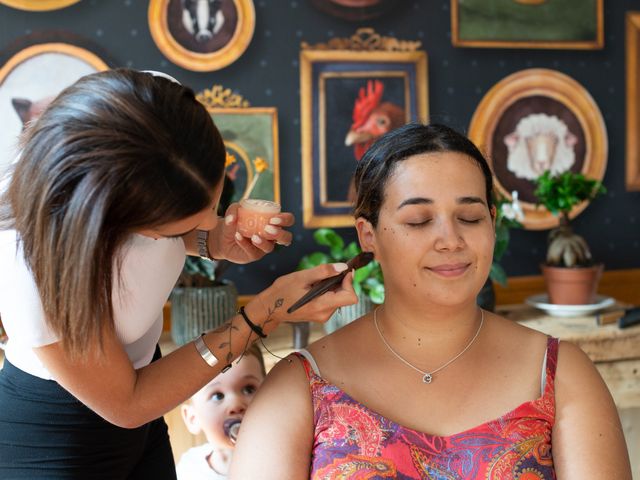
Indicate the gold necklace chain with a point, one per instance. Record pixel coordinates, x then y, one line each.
427 377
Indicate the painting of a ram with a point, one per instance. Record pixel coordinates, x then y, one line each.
538 120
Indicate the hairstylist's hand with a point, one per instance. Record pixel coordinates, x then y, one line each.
227 243
273 302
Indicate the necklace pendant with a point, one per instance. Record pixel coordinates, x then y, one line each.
427 378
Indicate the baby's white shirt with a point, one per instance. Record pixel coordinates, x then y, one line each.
193 464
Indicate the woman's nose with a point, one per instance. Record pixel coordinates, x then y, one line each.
448 236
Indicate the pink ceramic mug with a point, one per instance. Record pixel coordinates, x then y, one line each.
254 215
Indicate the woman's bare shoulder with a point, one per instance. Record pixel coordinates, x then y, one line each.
514 332
574 363
340 347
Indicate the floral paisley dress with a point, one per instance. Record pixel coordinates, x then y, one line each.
354 442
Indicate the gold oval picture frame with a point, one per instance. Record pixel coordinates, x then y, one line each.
202 42
534 120
30 79
38 5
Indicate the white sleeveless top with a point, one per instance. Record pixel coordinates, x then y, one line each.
149 272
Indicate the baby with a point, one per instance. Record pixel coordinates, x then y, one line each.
217 410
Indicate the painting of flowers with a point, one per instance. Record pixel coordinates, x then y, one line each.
251 138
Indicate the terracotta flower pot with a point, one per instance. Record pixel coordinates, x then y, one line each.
572 286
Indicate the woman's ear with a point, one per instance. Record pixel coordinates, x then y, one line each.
494 217
366 235
190 418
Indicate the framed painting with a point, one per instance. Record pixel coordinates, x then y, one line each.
250 136
352 91
568 24
38 5
633 101
30 79
537 120
202 35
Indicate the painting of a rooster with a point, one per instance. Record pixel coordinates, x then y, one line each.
349 99
372 118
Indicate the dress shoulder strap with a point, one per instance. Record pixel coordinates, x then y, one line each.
308 362
549 365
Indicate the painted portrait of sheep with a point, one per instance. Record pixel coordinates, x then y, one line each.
540 142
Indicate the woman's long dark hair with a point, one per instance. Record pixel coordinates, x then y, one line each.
116 152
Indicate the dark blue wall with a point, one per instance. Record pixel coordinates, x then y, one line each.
268 75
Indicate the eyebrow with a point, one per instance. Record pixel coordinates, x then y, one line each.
428 201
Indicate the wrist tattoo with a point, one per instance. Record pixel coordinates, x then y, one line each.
230 327
276 305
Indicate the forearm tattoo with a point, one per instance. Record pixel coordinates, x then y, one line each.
270 311
227 327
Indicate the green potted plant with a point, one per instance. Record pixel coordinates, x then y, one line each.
201 300
570 273
367 281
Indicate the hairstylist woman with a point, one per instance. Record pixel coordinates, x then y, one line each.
116 181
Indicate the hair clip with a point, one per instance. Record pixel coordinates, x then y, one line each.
161 74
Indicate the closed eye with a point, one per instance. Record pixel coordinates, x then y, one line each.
471 220
419 224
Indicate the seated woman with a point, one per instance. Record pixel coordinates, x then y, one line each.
429 385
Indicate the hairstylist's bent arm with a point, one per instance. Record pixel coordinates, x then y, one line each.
107 383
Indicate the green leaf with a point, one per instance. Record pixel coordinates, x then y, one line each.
352 250
329 238
502 242
497 274
376 294
208 269
362 273
560 193
196 266
313 260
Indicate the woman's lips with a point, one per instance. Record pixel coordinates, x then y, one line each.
450 269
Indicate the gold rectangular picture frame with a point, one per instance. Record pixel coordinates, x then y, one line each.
633 100
509 27
331 82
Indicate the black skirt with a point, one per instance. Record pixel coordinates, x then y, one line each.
45 432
